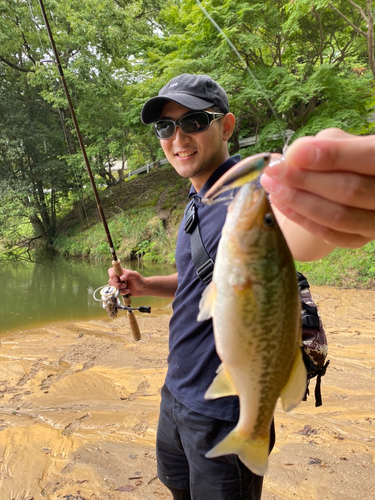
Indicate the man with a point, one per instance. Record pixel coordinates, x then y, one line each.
191 117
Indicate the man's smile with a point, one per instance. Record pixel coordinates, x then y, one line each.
185 154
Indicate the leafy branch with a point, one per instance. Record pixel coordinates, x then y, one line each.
369 35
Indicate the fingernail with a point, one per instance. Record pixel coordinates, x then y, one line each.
276 169
302 155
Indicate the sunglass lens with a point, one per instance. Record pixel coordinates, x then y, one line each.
164 129
196 122
190 124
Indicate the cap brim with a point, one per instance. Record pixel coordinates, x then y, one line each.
153 107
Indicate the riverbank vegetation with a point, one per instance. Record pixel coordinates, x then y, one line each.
344 268
143 218
314 62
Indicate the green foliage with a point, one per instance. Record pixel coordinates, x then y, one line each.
343 268
305 66
138 234
31 172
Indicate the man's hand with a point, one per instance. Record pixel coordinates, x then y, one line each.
133 283
326 184
130 282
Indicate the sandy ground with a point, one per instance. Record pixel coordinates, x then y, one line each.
79 409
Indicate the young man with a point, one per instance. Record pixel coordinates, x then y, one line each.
320 200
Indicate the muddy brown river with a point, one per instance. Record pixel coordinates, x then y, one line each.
79 408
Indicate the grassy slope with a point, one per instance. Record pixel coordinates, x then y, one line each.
144 214
343 268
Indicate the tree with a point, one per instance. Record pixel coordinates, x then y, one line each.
100 42
365 28
30 142
302 57
303 66
31 139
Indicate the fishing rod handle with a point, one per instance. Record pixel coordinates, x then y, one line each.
134 328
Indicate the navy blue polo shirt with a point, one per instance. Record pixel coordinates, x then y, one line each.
192 360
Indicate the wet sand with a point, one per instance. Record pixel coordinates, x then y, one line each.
79 409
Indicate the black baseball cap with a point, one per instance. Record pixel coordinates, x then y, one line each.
195 92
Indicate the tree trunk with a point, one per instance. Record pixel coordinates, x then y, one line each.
79 210
370 37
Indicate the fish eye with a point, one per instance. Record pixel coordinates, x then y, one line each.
269 220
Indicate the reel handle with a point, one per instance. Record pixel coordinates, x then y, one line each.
144 309
134 328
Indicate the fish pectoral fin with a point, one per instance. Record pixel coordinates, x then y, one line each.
207 302
252 452
295 389
221 385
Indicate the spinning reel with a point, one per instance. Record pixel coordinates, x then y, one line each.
111 301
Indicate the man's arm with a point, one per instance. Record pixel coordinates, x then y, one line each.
304 245
162 286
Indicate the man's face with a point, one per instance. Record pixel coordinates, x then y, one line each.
194 156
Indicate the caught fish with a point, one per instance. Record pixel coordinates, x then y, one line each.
244 171
254 303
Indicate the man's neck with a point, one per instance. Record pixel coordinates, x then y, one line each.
199 181
227 164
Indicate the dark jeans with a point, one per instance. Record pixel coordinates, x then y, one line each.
183 439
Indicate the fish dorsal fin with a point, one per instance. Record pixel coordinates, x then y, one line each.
207 302
295 389
221 386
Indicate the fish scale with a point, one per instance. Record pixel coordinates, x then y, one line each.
254 303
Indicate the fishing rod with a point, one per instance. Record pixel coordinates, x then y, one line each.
109 294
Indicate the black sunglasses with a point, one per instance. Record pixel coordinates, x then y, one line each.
191 123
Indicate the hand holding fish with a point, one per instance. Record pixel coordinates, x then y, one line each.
326 185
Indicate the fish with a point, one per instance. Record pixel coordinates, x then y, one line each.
254 302
246 170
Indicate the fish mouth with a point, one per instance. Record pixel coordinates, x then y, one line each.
249 210
247 170
246 207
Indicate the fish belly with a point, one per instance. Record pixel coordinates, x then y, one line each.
257 339
254 303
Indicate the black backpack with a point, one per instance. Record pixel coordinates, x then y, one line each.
314 339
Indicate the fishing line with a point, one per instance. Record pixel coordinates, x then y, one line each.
248 70
33 18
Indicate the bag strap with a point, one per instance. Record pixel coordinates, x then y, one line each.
310 318
318 393
202 261
302 281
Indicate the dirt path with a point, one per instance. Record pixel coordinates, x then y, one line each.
79 408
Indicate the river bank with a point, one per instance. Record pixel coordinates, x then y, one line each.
79 409
143 216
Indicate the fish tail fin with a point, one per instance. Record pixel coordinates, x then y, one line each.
295 389
252 452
